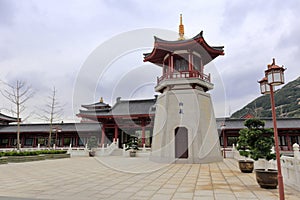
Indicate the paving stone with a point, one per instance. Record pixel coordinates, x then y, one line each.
123 178
161 197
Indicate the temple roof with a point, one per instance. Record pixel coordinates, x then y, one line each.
197 43
44 128
282 123
123 108
4 119
97 105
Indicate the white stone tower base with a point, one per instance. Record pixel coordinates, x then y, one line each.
187 111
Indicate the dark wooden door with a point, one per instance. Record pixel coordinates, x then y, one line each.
181 143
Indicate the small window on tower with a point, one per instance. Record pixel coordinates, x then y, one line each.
181 64
197 63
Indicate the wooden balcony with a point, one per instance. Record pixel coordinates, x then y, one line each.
184 75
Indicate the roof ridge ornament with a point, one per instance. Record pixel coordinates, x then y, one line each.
101 100
181 29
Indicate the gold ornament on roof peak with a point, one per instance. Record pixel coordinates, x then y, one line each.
101 100
181 29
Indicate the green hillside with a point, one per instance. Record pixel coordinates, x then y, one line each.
287 101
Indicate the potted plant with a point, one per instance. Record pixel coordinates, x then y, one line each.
132 145
92 145
245 165
259 142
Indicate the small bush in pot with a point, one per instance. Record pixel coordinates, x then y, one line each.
132 145
92 145
257 142
246 165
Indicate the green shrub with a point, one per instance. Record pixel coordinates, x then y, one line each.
32 153
53 151
255 140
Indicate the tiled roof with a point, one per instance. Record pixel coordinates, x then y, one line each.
66 127
7 118
197 43
132 107
96 105
282 123
126 107
195 38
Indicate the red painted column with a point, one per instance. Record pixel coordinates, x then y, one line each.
169 68
102 135
172 63
116 133
34 141
143 132
76 141
201 66
288 139
224 143
62 140
190 62
22 141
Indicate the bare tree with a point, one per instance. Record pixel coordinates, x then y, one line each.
51 112
18 95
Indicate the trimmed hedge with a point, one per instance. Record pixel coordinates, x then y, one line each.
27 156
17 159
57 156
3 160
32 153
52 152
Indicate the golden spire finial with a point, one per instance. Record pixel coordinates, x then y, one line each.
101 100
181 29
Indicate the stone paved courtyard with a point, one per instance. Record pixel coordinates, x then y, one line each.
130 178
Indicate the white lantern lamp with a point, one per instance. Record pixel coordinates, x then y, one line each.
275 74
264 86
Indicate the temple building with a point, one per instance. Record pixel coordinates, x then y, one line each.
77 134
125 120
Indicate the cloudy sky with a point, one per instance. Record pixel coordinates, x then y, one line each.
53 43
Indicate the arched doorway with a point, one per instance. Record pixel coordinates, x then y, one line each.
181 143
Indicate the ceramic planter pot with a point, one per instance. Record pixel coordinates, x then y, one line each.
92 153
267 179
132 153
246 166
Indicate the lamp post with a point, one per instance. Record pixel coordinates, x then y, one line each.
274 76
224 140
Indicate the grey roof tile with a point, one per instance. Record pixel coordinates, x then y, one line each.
126 107
282 123
66 127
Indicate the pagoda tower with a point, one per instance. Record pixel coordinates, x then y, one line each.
185 129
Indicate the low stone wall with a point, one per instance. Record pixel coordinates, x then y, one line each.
3 160
56 156
17 159
290 171
78 152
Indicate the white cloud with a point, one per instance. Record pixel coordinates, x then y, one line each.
47 42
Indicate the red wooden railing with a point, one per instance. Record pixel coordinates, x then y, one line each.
184 74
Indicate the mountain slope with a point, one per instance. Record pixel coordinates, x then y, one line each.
287 103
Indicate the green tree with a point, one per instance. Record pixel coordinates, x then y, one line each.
255 140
